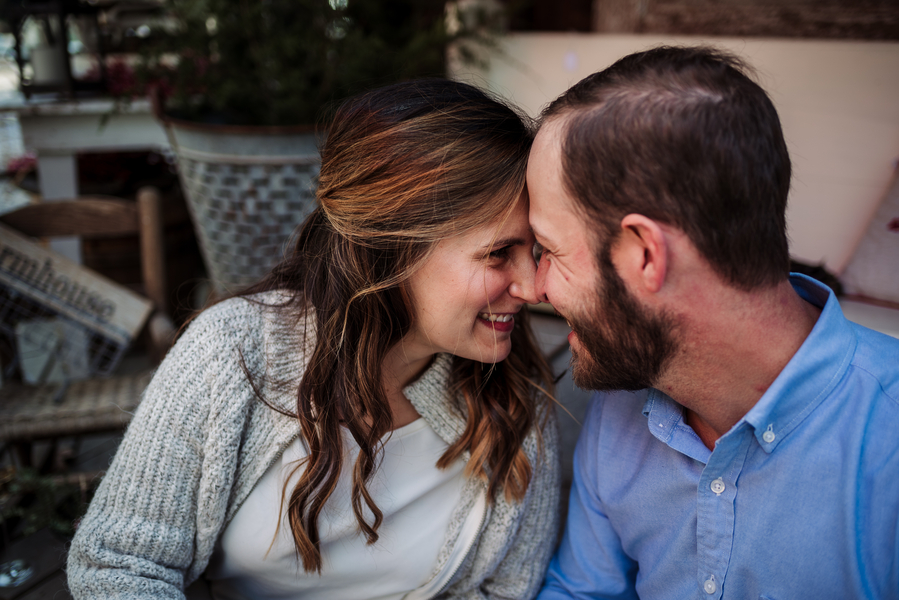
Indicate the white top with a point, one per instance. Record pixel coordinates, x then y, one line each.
417 500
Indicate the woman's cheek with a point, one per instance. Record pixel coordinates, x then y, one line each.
498 283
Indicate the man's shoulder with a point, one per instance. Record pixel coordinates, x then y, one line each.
613 417
620 405
877 356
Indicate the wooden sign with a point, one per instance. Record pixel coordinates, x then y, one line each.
71 290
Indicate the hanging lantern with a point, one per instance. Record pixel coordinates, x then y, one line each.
59 49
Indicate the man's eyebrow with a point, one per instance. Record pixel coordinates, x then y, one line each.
535 232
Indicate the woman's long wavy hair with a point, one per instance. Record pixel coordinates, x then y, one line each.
403 167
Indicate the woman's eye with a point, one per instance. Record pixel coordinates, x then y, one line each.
500 252
538 251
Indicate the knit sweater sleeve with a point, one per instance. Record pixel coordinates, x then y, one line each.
521 570
169 483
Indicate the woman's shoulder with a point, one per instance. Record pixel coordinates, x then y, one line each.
245 317
227 354
250 330
241 312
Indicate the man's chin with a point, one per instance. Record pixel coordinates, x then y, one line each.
583 370
587 374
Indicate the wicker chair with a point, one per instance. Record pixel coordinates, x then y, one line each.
52 411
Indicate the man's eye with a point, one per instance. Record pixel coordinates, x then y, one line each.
538 251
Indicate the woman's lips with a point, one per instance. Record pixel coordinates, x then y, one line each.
504 322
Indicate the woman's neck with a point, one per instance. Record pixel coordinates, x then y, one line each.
399 369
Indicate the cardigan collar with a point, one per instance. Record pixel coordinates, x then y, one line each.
431 396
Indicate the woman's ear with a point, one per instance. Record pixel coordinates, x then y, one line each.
641 253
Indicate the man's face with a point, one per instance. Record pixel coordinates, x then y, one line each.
615 342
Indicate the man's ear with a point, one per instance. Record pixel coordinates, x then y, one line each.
641 253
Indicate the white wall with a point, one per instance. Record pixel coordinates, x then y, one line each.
838 102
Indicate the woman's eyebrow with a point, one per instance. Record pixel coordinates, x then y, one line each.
502 243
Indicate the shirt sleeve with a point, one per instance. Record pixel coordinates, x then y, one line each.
590 561
138 538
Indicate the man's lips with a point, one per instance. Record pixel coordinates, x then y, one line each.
571 334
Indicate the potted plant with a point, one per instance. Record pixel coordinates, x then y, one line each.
242 86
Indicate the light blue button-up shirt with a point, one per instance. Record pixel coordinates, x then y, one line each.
800 499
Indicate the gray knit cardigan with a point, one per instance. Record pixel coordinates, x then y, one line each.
201 439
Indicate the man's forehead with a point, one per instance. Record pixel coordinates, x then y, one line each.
555 217
549 137
546 186
544 171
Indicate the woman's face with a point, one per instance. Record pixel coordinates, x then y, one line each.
470 289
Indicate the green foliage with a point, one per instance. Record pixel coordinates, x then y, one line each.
30 501
284 62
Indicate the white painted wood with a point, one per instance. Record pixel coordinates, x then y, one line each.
88 133
58 180
56 131
50 125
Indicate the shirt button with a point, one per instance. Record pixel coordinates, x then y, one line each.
769 434
717 486
710 586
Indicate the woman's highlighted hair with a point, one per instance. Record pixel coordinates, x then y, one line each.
403 167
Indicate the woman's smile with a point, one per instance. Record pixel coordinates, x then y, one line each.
503 322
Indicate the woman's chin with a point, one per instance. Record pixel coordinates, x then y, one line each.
493 354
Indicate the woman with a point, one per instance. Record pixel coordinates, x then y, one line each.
380 386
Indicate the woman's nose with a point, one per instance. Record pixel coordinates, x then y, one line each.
522 286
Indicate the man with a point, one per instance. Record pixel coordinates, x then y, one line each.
756 454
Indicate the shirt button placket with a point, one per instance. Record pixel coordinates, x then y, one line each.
710 586
715 509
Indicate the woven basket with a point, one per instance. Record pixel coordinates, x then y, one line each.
51 410
247 189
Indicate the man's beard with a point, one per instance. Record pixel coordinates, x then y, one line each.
625 347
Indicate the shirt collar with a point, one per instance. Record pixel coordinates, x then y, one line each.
811 374
665 419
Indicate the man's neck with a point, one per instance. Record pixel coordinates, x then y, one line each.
734 346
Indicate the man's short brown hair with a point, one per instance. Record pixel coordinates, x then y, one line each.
682 136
